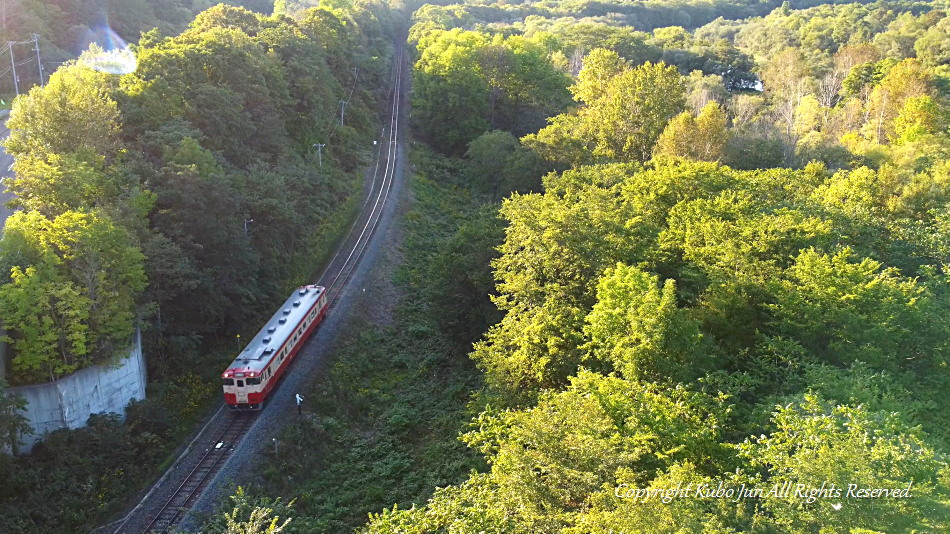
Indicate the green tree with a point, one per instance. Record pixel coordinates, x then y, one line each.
702 138
818 444
919 117
626 110
63 182
638 328
462 277
877 316
75 303
251 515
933 47
13 425
628 119
450 99
600 67
73 114
787 79
677 137
466 83
47 320
905 80
497 165
548 461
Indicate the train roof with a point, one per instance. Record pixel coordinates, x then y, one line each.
257 354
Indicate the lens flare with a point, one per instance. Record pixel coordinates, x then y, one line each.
108 52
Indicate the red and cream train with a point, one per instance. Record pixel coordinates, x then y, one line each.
254 374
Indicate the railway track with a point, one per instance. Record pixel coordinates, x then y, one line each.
203 473
340 268
164 514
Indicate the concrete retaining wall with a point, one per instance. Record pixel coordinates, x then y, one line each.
69 401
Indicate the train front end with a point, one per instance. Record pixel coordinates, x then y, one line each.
243 389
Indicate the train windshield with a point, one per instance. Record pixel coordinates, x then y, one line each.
228 381
253 381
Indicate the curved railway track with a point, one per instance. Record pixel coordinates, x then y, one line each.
163 515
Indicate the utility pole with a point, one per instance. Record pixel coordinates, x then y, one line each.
16 83
342 109
246 221
39 64
319 147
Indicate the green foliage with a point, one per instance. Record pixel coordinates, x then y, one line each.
626 109
819 445
546 460
195 174
719 291
14 425
761 300
203 156
466 83
72 302
75 480
637 327
856 311
497 164
701 138
462 280
73 113
252 516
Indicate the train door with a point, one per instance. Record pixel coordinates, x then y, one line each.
241 392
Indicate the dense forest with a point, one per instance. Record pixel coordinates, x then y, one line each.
721 264
194 172
183 198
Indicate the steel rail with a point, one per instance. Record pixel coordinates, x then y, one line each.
219 449
389 171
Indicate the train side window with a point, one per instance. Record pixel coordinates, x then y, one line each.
240 383
228 381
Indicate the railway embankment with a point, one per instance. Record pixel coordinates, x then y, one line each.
69 401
